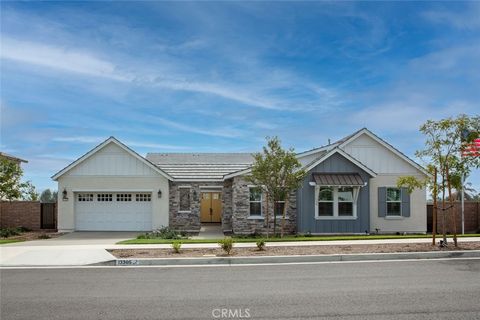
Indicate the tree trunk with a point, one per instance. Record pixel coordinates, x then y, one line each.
434 211
274 220
267 215
284 214
452 209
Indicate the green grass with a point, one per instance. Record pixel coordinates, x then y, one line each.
292 238
5 241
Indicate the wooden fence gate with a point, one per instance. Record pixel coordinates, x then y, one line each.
48 216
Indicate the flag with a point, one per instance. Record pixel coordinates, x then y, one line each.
472 149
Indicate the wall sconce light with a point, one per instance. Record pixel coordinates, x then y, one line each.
159 193
64 194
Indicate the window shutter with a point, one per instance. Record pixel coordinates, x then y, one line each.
382 201
405 203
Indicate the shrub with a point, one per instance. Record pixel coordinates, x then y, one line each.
163 233
261 244
8 232
23 229
176 245
44 236
226 244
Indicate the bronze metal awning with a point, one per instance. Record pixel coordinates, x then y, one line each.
338 179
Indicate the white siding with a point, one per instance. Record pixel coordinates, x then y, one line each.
112 161
377 157
112 169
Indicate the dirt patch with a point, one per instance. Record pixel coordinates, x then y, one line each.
286 251
35 235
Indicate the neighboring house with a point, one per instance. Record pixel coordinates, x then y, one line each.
12 158
350 188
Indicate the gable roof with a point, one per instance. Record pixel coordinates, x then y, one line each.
9 156
384 143
99 147
325 155
200 166
327 146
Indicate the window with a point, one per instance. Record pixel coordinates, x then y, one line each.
345 201
394 202
85 197
278 209
124 197
325 201
255 201
143 197
184 204
336 202
104 197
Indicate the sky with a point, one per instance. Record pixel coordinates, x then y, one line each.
222 76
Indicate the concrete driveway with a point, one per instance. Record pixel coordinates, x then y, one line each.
76 248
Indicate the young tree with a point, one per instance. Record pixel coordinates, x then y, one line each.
278 172
48 196
445 140
11 186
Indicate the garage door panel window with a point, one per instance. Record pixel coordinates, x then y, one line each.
143 197
85 197
104 197
123 197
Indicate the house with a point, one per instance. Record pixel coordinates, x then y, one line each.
350 188
17 160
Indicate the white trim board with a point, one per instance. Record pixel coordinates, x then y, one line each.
345 155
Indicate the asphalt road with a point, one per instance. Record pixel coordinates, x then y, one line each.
367 290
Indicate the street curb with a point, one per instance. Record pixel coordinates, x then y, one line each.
292 259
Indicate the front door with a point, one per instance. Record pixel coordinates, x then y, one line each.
211 207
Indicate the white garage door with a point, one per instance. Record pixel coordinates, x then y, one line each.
121 211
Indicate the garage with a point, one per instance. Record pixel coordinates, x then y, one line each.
113 211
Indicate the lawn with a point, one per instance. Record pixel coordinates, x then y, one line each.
291 238
5 241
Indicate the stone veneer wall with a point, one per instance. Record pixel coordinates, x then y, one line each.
190 221
242 222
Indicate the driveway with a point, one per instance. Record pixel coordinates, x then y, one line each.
76 248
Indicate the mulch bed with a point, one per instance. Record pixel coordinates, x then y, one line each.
285 251
34 235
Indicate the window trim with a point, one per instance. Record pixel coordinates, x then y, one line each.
335 216
395 216
255 216
280 215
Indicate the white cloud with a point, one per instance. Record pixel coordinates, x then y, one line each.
59 58
130 143
222 132
465 20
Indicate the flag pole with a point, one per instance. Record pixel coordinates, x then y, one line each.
463 204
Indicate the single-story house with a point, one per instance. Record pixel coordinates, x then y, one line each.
350 188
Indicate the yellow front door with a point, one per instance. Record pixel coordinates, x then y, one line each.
211 207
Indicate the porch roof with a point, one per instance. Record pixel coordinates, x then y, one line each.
338 179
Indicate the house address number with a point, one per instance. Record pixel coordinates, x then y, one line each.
127 262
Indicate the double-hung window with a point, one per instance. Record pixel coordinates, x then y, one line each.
325 202
394 202
278 208
336 202
255 201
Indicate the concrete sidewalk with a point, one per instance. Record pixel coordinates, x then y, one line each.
48 254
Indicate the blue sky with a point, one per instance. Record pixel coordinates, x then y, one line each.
219 77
